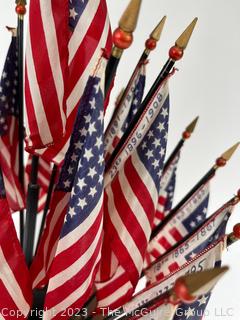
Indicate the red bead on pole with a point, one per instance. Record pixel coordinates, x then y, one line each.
221 162
236 231
151 44
186 135
20 9
182 292
122 39
175 53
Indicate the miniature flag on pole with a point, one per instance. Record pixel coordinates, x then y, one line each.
130 204
168 181
9 112
78 250
15 283
184 221
77 199
213 229
72 35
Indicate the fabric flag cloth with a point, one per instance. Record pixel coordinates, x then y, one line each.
130 203
126 108
15 284
44 176
207 259
182 224
70 36
70 249
167 188
206 234
9 112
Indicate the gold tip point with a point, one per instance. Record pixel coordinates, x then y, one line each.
191 127
128 21
12 30
228 154
201 282
184 38
156 33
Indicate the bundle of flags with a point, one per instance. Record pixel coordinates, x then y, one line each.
110 220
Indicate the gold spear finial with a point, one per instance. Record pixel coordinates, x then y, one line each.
191 127
228 154
184 38
128 21
201 283
197 284
156 33
12 30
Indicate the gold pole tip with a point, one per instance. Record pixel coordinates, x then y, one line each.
156 33
128 21
191 127
202 282
184 38
229 153
12 30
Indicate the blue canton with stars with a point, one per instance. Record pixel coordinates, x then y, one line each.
83 169
136 102
197 217
8 88
152 149
76 8
195 311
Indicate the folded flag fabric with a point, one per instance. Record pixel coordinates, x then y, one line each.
167 188
65 39
9 114
70 249
131 195
207 233
15 281
184 221
125 110
207 259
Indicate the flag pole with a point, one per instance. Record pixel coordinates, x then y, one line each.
220 162
150 45
122 39
185 136
175 53
21 10
31 212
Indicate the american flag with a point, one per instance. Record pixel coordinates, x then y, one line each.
9 111
183 223
195 311
125 110
71 243
70 36
207 259
167 188
16 291
207 233
44 176
130 204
